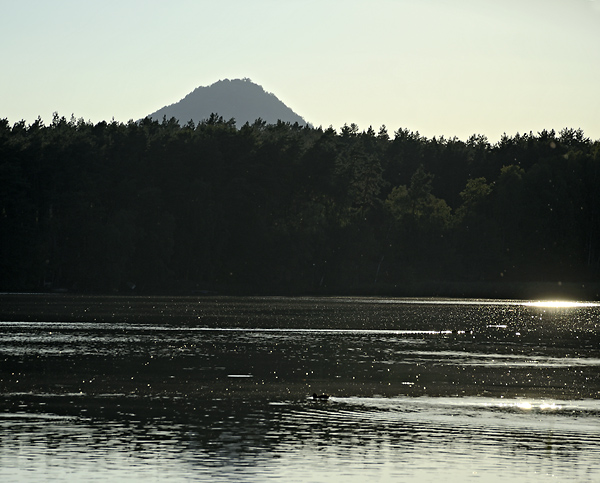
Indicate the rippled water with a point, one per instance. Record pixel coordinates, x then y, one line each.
115 388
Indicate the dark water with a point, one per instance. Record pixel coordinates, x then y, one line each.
183 389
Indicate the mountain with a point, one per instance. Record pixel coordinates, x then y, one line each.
240 99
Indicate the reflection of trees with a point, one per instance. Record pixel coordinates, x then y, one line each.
163 207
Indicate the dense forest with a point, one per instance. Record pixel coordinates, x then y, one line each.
159 207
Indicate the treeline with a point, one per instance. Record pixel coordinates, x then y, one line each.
149 207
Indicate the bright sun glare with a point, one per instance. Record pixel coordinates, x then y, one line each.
560 304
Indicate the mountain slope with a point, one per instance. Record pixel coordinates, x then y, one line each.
240 99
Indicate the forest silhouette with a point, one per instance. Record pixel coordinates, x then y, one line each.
159 207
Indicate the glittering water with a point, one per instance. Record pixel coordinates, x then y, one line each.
184 389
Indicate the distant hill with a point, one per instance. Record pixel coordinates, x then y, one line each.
240 99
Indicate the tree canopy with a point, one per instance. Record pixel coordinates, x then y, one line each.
152 207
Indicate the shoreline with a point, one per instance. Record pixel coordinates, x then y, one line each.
575 291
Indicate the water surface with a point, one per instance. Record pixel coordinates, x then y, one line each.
97 388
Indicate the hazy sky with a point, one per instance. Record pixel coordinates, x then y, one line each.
440 67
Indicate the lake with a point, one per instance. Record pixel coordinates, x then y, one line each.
195 388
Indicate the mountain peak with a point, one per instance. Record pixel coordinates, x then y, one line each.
240 99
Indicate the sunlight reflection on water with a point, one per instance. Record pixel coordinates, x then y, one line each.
560 304
344 439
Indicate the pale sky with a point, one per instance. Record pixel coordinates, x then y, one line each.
440 67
